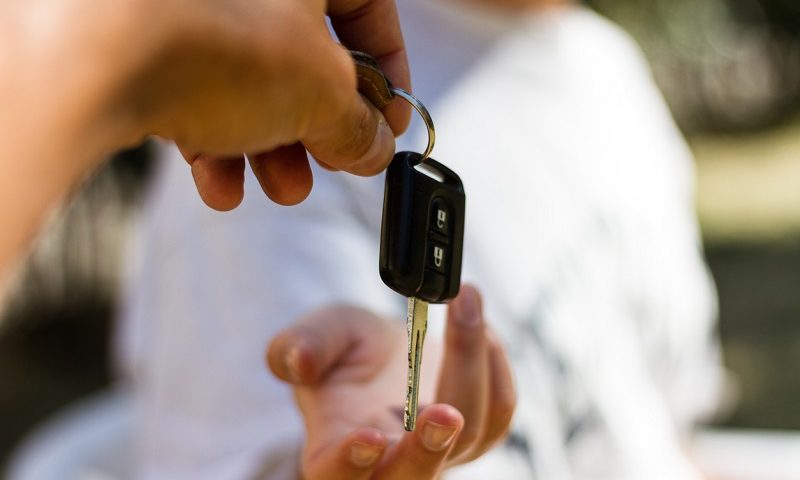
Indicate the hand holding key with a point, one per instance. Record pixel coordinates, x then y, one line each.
346 366
219 77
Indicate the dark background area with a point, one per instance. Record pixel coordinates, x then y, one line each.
759 290
728 69
55 330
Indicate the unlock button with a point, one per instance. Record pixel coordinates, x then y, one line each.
440 216
437 257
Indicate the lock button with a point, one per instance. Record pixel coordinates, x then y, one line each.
437 256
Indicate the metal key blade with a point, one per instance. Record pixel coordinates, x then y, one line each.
417 323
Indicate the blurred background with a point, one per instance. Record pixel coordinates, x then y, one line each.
730 70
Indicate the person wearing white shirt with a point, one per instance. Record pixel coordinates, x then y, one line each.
580 234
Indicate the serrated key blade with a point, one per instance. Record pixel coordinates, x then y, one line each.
417 324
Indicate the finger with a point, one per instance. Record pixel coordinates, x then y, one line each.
464 378
502 397
219 180
373 27
305 352
352 458
358 141
302 354
327 167
421 454
284 173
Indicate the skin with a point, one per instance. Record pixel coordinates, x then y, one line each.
347 368
347 365
80 79
518 5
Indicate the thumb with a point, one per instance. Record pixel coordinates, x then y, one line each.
347 132
304 353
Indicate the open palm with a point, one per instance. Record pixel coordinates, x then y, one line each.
348 370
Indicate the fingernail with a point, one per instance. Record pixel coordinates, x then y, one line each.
364 455
468 313
436 437
293 363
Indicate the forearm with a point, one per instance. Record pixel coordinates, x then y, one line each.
29 185
81 78
58 117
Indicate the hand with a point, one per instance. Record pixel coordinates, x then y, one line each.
348 370
80 79
267 79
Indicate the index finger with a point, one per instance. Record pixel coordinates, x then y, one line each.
421 454
373 27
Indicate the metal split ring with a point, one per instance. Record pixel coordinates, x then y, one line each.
426 117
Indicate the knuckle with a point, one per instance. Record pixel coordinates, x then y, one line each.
340 75
356 144
330 95
465 342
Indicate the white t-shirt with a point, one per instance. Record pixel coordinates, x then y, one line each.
579 232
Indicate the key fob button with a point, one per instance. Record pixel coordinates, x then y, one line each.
437 257
422 232
440 216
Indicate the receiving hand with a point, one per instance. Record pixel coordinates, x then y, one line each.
348 369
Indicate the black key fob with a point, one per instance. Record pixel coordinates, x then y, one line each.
423 229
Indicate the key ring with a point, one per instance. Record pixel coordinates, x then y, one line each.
426 117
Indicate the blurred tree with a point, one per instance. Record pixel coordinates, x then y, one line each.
783 14
724 65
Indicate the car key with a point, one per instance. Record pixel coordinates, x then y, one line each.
422 229
421 238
